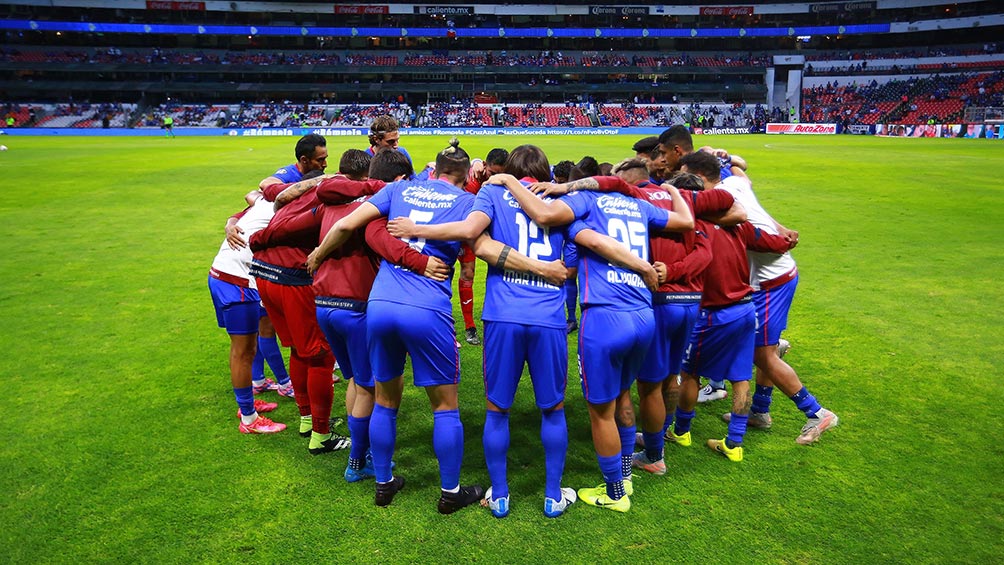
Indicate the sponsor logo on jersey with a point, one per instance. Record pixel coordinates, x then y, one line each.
425 197
618 206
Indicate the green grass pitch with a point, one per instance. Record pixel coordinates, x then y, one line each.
120 442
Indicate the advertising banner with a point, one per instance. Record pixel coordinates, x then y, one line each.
726 10
360 9
165 5
802 129
445 10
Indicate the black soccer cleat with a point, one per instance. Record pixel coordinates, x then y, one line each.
385 491
450 502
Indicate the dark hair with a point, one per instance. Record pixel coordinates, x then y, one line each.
528 161
453 161
382 125
388 164
312 174
497 156
562 169
589 166
628 164
605 169
355 164
308 144
686 181
677 135
703 164
646 144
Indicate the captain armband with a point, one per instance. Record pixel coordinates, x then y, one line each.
500 263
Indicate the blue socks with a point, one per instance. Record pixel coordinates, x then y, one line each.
383 435
496 443
683 419
806 402
571 298
448 444
554 438
359 431
627 448
737 429
268 348
245 399
654 444
717 384
762 398
612 475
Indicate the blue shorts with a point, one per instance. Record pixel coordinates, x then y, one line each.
395 330
721 345
673 324
345 331
237 307
612 346
772 308
508 346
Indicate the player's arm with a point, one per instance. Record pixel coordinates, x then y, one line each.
615 252
553 213
468 229
398 252
598 184
234 232
504 257
287 232
691 266
269 181
340 232
294 191
339 189
759 240
718 206
252 196
680 218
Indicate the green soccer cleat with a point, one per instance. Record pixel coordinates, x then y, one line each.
597 496
732 453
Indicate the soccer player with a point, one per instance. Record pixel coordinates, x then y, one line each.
237 305
493 163
311 155
774 279
721 344
675 303
612 296
524 325
285 288
410 314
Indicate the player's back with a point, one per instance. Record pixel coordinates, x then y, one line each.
514 297
424 202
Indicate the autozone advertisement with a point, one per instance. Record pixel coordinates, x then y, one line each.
803 129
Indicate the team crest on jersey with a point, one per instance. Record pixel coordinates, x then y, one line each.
425 197
618 206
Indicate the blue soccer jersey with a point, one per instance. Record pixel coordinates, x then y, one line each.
515 297
424 202
627 220
288 174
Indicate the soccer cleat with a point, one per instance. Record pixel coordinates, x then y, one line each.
709 394
732 453
385 491
450 502
334 442
285 390
353 476
471 336
554 508
571 326
261 406
628 483
261 425
783 346
639 439
597 496
335 377
640 461
268 385
757 420
499 507
815 427
683 440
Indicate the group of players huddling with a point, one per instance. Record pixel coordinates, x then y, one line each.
681 275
